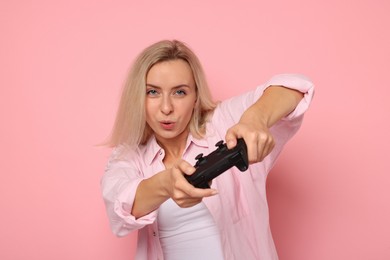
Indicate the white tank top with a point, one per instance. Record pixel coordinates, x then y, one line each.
188 233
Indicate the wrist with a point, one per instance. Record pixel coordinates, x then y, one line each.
164 187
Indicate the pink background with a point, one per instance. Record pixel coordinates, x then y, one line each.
62 65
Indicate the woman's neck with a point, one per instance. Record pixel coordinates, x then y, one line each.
173 148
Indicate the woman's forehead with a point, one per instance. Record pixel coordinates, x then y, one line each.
173 72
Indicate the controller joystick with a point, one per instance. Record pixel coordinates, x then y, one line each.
200 159
219 144
210 166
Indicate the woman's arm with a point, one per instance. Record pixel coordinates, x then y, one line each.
275 103
154 191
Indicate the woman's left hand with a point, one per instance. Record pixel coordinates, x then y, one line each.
256 135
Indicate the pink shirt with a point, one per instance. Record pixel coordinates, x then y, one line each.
240 209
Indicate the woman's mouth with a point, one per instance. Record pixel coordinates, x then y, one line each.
167 125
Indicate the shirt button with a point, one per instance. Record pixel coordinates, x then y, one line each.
154 233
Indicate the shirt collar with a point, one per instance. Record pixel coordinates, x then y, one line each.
153 149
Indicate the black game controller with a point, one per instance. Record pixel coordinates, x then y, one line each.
210 166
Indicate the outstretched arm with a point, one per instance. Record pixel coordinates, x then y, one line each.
275 103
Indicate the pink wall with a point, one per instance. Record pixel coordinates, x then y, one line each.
61 69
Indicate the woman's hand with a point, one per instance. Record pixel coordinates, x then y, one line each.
170 183
256 135
275 103
180 190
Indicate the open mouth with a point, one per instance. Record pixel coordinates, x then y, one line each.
167 125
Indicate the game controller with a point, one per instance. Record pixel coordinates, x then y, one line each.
210 166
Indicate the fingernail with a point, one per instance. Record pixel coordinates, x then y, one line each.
190 171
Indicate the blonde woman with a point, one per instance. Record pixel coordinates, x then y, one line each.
165 118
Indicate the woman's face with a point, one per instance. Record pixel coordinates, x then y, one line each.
170 99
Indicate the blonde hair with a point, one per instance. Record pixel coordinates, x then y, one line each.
130 127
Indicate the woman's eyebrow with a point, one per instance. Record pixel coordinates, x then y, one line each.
151 85
178 86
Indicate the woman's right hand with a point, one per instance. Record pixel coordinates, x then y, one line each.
180 190
170 183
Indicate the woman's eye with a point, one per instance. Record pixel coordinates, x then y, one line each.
151 92
180 92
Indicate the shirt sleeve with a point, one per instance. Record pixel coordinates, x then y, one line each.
119 185
297 82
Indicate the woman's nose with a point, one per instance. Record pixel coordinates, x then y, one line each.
166 105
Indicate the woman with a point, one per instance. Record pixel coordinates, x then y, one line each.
165 118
